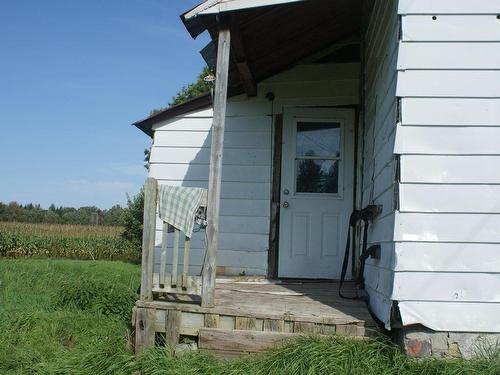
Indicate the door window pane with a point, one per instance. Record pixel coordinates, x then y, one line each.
321 139
317 176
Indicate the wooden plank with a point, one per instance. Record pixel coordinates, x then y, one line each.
148 239
243 323
347 329
185 262
215 172
175 258
191 323
304 327
193 285
144 329
243 341
211 321
274 325
163 256
239 56
172 328
272 260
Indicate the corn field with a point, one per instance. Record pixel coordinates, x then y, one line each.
65 241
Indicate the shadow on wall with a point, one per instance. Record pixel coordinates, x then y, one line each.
245 197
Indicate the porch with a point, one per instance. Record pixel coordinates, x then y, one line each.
250 316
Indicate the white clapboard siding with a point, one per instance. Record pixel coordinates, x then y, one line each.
451 111
448 140
233 124
447 286
438 55
446 257
202 139
378 146
232 156
241 173
449 83
448 198
432 227
450 169
237 224
452 28
456 316
230 189
448 7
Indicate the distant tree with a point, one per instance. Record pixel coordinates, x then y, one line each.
114 216
132 219
188 92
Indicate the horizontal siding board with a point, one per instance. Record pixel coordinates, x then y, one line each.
452 316
446 257
439 55
451 28
451 111
237 224
449 198
450 169
228 241
448 7
202 139
447 286
200 172
232 156
232 190
316 72
448 140
233 124
433 227
449 83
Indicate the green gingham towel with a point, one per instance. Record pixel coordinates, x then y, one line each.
178 205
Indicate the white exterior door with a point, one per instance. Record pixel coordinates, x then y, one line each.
317 172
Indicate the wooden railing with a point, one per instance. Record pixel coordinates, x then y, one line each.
178 280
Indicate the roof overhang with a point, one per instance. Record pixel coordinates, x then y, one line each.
267 37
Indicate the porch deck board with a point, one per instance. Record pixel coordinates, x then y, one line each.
315 302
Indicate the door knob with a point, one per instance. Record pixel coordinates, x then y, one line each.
286 205
286 191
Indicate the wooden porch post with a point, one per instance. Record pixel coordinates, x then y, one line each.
215 173
148 239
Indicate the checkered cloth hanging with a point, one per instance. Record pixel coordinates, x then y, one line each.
178 206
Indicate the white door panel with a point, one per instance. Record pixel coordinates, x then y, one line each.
317 191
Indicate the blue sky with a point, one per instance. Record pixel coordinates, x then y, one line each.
73 76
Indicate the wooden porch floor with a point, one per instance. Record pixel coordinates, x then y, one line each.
250 316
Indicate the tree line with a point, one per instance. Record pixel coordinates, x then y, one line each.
88 215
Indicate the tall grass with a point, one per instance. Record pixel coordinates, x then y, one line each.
70 317
65 241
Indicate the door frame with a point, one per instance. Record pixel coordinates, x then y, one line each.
277 154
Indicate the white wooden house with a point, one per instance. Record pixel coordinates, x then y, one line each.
334 105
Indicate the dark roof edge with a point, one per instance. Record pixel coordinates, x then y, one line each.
198 102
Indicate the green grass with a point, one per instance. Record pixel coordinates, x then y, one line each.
70 317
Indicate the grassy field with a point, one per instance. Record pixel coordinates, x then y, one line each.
64 241
70 317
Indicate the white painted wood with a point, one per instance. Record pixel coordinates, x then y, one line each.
455 316
447 286
230 190
448 140
439 55
451 111
449 198
431 227
450 169
184 155
446 257
221 6
448 7
177 138
449 83
235 173
163 256
314 226
452 28
234 124
175 257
